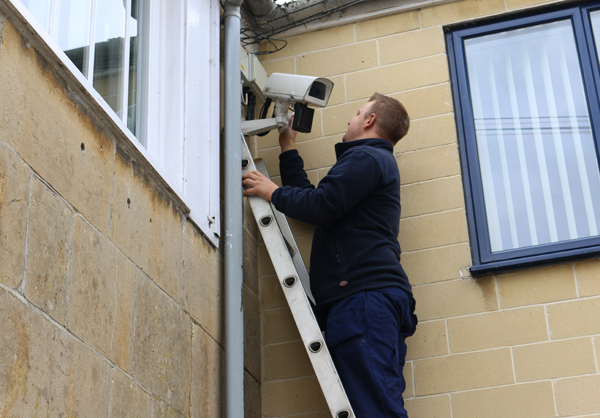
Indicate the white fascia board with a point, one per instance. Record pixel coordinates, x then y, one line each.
16 8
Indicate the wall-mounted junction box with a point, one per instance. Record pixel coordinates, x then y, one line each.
253 74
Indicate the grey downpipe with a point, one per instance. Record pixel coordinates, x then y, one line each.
233 251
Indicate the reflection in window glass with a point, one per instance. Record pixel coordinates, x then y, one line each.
540 175
108 55
72 30
40 9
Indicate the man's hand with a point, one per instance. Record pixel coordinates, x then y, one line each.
257 184
287 139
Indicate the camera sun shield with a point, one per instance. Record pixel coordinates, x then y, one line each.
303 118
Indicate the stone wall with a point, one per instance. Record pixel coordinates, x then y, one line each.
522 344
110 298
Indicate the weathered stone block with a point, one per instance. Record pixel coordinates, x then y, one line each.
314 41
463 371
387 25
409 379
578 395
146 225
459 297
427 101
538 285
61 139
287 361
429 340
121 351
533 400
282 65
576 318
14 197
278 326
554 359
398 77
432 406
339 60
91 310
295 396
202 282
412 45
127 399
428 164
162 410
460 10
437 264
587 274
252 397
250 266
497 329
435 230
265 266
428 132
207 376
50 226
252 343
271 294
43 370
519 4
163 344
432 196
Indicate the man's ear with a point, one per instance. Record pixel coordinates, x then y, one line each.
370 121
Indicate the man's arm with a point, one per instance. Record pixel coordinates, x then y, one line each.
351 180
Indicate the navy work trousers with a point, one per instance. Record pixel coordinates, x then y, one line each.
365 335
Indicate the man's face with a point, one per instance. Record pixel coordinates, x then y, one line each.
356 123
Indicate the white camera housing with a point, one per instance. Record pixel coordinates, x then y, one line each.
294 88
286 90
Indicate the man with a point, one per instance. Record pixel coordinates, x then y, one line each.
363 298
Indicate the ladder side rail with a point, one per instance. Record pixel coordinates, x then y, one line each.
284 226
303 315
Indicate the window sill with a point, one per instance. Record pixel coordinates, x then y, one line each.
543 259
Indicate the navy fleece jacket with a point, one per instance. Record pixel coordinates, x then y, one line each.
356 211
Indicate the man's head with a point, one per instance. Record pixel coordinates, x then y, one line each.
381 117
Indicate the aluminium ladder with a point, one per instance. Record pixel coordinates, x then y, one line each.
293 277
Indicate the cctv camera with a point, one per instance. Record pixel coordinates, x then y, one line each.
299 89
289 90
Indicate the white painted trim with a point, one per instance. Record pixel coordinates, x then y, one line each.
72 73
207 201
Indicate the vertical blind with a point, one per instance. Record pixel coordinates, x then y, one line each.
538 163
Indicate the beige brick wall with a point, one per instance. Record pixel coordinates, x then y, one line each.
522 344
110 299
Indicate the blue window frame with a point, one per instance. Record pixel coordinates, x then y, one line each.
528 114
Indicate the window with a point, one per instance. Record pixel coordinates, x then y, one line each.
154 66
526 97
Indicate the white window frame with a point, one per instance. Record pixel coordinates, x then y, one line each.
181 125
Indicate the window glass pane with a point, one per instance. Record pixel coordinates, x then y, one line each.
108 56
538 164
40 9
72 30
596 27
134 56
